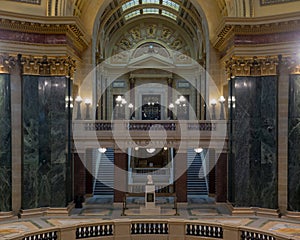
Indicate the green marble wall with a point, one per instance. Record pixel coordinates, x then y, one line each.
45 162
253 143
5 144
294 145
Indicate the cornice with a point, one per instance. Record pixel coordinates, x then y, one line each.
69 26
231 27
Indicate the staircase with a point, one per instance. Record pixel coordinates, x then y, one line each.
196 179
103 166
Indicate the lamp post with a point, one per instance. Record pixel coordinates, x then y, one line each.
87 104
78 100
213 104
222 115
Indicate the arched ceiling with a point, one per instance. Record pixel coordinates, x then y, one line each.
213 10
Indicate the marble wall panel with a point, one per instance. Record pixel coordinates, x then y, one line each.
293 145
5 144
253 166
45 158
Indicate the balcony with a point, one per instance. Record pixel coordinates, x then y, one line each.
170 133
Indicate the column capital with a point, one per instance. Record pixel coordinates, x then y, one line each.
44 65
6 63
251 66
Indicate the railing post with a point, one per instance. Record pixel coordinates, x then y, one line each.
122 229
67 233
176 229
231 232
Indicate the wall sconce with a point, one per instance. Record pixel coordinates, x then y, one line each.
87 102
67 99
222 100
102 150
213 104
198 150
78 100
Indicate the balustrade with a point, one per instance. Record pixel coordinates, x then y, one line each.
245 235
149 228
94 231
43 236
204 231
173 229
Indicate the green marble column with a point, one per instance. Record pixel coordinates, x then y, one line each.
5 144
253 143
45 164
293 145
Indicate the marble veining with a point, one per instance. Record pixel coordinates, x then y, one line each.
45 135
5 144
254 159
293 144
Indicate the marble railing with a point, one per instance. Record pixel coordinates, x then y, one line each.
151 229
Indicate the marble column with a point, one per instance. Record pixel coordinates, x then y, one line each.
16 115
6 164
282 146
45 164
293 166
120 175
254 142
180 163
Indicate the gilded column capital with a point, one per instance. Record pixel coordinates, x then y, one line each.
6 63
43 65
292 63
255 66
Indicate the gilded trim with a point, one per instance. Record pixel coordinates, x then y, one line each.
255 66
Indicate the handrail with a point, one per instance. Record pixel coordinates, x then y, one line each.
176 228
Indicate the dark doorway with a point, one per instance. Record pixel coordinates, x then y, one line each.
151 108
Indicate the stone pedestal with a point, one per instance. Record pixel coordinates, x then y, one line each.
150 208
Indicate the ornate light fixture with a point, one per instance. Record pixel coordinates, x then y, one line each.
150 150
102 150
198 150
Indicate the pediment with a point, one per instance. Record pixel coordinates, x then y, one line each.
151 61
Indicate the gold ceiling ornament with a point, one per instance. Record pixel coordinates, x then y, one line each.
49 66
254 66
6 63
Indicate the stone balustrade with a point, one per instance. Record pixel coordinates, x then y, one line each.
151 229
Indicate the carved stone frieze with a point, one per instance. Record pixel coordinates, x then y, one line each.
255 66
